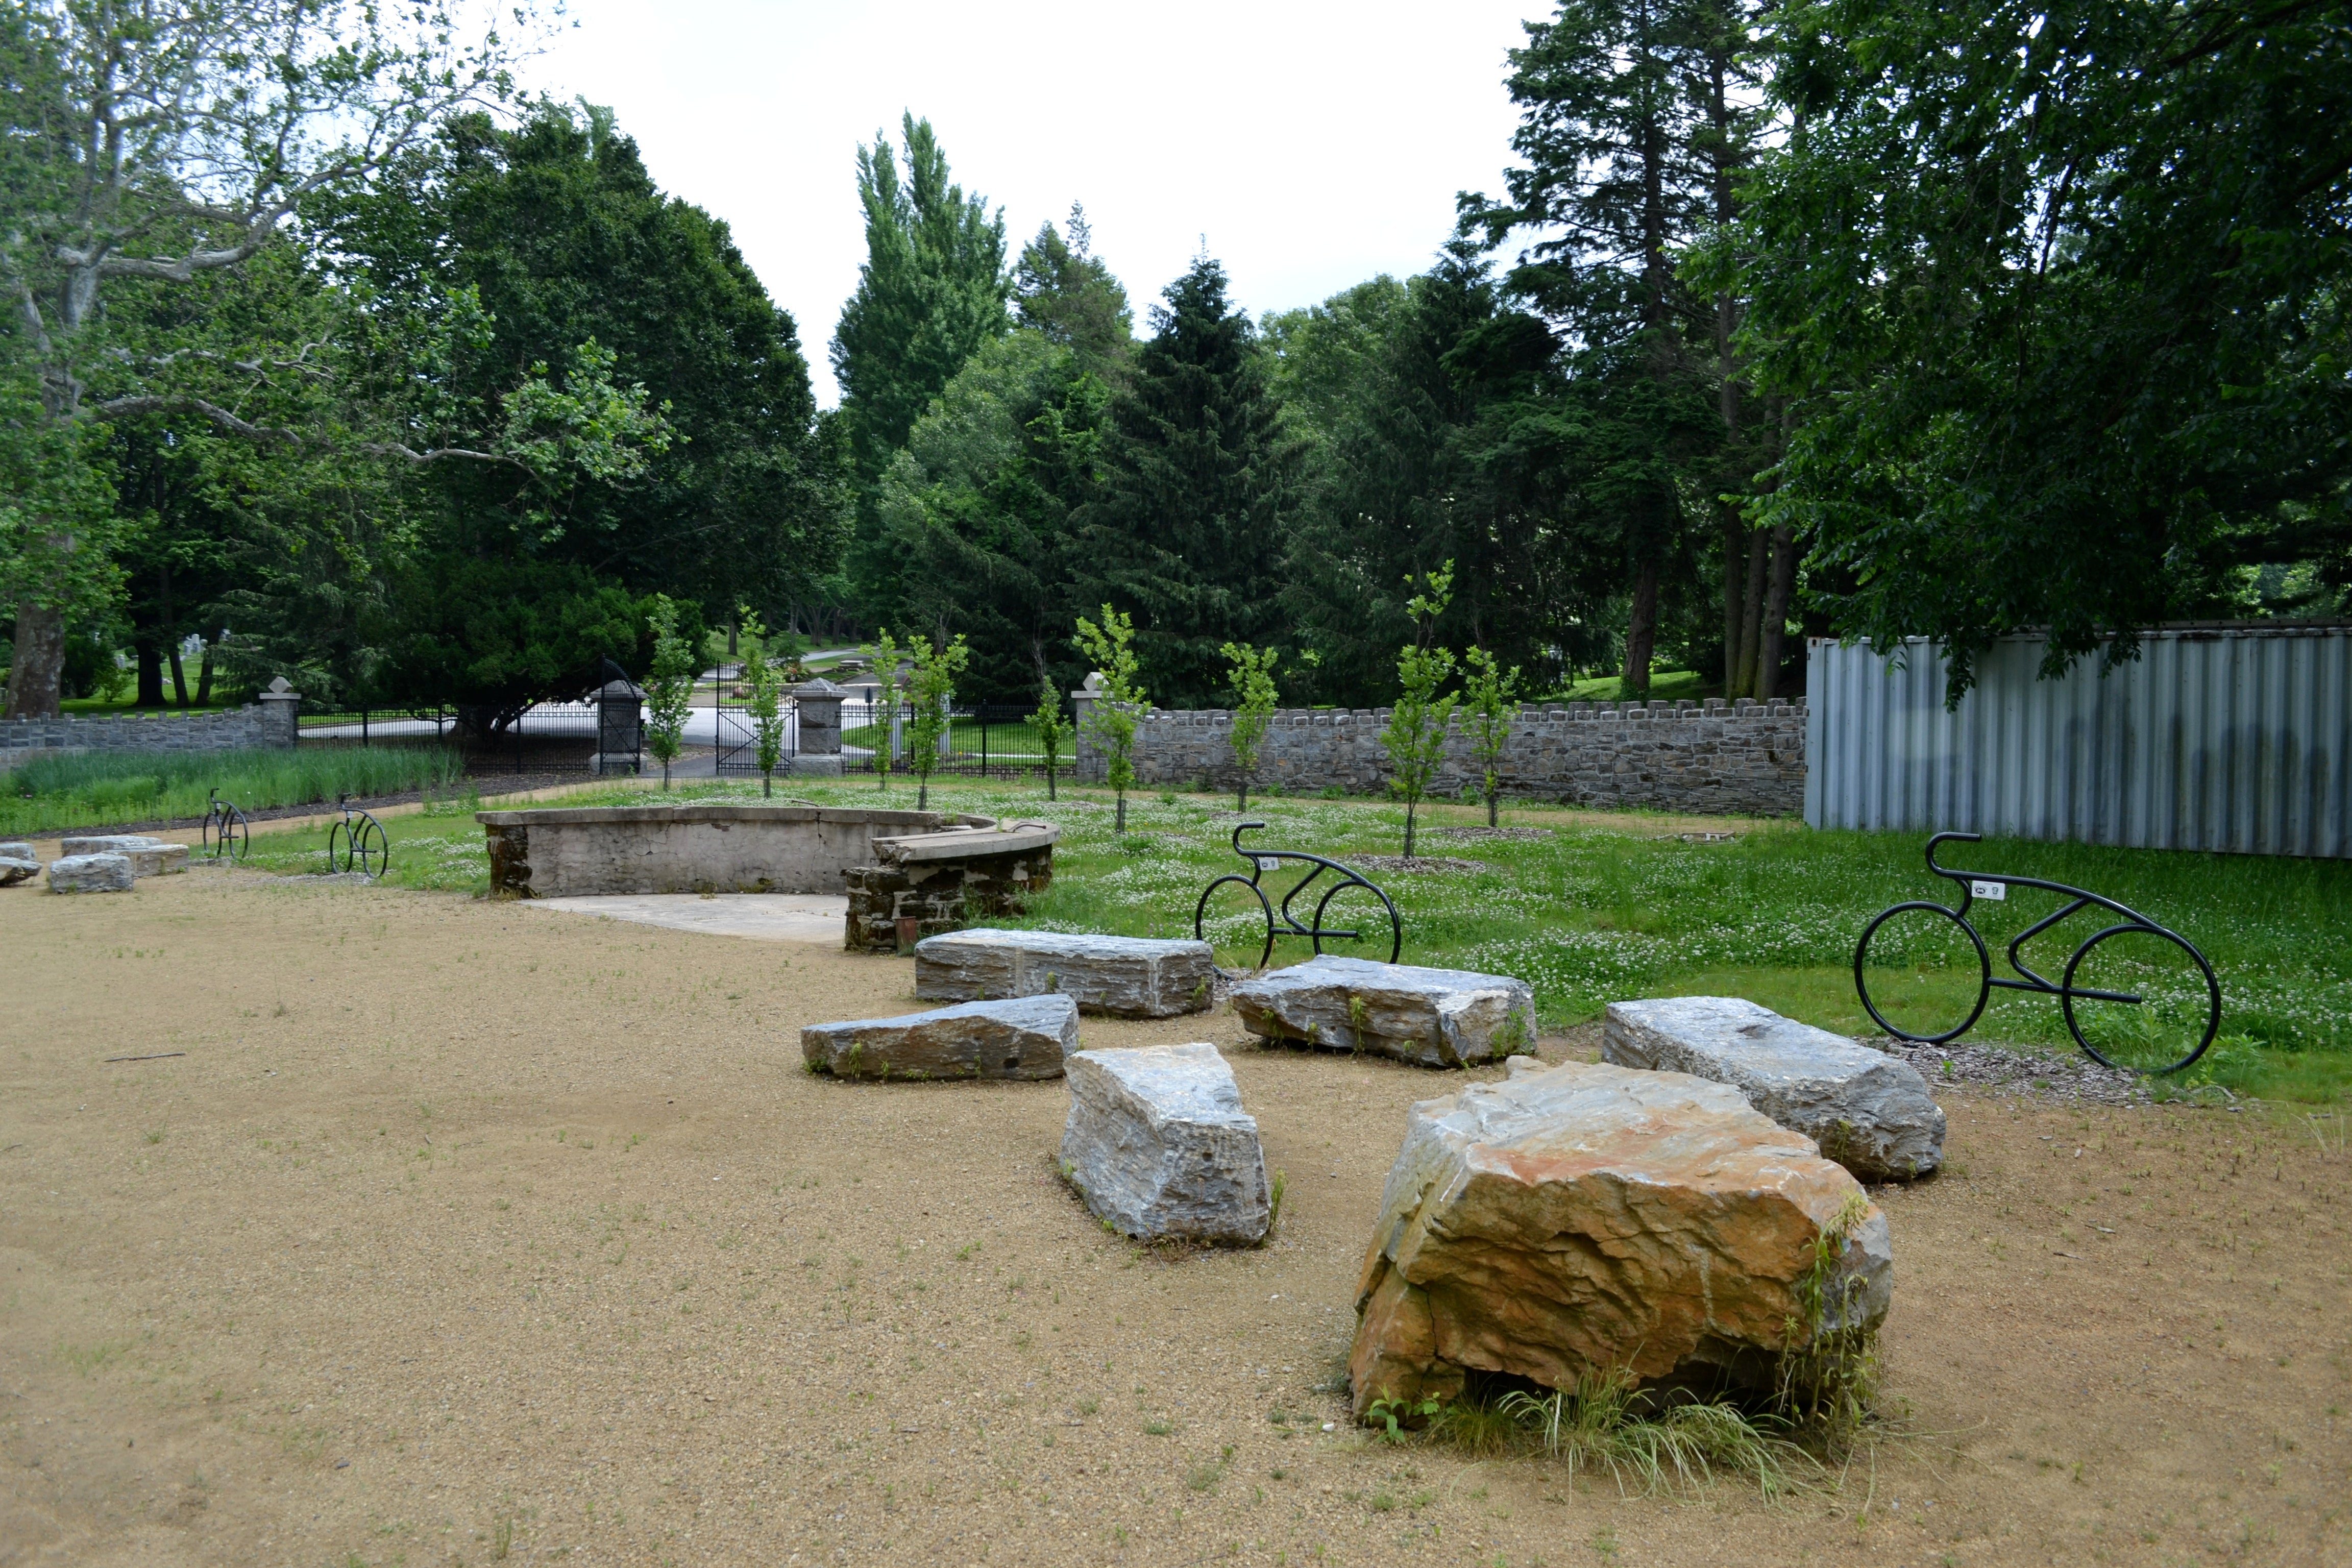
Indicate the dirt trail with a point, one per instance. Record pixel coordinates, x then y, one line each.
457 1229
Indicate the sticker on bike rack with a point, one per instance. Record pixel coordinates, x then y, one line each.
1996 891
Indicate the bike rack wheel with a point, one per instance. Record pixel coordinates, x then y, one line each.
1201 912
233 837
2067 994
1984 974
1396 925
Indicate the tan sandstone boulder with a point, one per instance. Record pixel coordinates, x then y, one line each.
1594 1219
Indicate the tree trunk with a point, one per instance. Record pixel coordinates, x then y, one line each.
1776 614
922 792
1409 804
1642 631
179 675
1243 807
204 676
767 787
1492 809
1049 783
1735 538
1751 618
150 659
1122 825
40 668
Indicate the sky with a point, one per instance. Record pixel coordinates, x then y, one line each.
1309 146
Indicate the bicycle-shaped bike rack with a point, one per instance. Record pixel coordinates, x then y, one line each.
224 831
357 843
1261 862
2139 945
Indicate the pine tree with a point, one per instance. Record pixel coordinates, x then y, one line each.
1198 491
933 289
1065 292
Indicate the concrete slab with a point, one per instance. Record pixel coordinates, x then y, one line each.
764 917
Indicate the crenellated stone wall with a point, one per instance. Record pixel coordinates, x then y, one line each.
1744 759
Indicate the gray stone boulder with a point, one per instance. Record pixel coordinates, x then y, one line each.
1020 1037
1128 977
1431 1017
17 864
92 874
1158 1145
148 856
1869 1111
17 849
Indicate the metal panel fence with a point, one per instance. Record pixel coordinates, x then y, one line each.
545 738
2232 738
984 740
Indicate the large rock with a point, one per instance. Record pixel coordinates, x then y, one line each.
148 856
17 864
1130 977
1021 1036
1869 1111
1159 1145
1603 1220
92 874
1433 1017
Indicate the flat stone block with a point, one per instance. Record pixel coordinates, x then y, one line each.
1869 1111
92 874
1431 1017
1158 1145
148 856
1020 1037
14 869
1128 977
1589 1220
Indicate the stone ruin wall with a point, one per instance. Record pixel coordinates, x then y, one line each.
218 731
1736 758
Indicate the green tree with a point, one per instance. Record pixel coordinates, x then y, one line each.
1063 289
669 690
930 697
2058 299
1198 491
1254 700
765 674
883 655
1052 730
1416 733
1490 700
1630 138
978 509
933 289
1122 703
153 148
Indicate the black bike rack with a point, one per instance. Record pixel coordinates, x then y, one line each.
358 843
1261 862
225 831
2067 993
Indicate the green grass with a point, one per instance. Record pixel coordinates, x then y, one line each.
440 849
94 789
104 707
1612 906
1664 685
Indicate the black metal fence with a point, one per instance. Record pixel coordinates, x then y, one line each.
545 738
984 740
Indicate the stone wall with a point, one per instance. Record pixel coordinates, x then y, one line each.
253 725
752 846
939 895
1744 758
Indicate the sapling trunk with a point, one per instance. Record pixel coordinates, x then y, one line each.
767 787
1121 826
1491 814
1409 804
1049 783
922 792
1243 807
664 774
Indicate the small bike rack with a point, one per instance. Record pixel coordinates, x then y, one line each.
1974 884
357 843
1261 862
225 831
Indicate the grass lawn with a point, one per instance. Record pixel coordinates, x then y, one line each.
94 789
1664 685
1607 906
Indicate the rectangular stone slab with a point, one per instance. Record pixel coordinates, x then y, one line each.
90 874
1869 1111
1158 1145
1431 1017
1021 1036
1128 977
148 856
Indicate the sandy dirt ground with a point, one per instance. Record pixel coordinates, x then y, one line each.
456 1234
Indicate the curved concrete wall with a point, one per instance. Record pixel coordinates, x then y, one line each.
727 848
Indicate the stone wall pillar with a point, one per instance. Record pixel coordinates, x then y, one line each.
620 728
1085 762
819 702
281 710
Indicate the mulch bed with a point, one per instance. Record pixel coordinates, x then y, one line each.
1419 865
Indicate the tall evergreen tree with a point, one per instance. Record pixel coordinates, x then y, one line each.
1199 487
1627 164
933 289
1063 289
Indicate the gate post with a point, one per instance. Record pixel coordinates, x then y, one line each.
620 728
818 703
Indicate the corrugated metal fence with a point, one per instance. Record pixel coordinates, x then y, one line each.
2232 738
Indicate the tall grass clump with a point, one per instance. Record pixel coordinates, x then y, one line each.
99 789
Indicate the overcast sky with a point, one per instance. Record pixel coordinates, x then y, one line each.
1312 145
